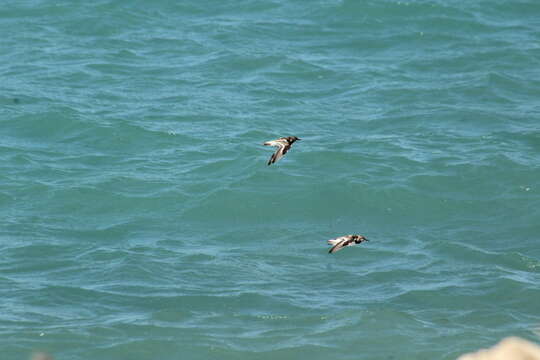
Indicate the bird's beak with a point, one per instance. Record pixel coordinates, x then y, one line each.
298 139
366 239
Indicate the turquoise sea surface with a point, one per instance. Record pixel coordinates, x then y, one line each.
139 220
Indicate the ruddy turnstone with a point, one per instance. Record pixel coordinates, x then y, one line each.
344 241
283 144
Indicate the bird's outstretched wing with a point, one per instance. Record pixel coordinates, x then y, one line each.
282 147
280 152
346 241
336 240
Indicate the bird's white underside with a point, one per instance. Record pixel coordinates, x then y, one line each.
274 143
337 240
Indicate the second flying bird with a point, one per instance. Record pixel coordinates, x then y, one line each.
283 145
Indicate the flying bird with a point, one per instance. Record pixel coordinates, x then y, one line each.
344 241
283 145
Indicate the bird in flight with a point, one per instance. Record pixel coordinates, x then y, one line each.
344 241
283 145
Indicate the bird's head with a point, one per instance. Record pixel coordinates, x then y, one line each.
293 139
360 238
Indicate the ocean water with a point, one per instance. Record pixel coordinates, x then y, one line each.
139 221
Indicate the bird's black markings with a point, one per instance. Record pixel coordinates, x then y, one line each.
283 145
